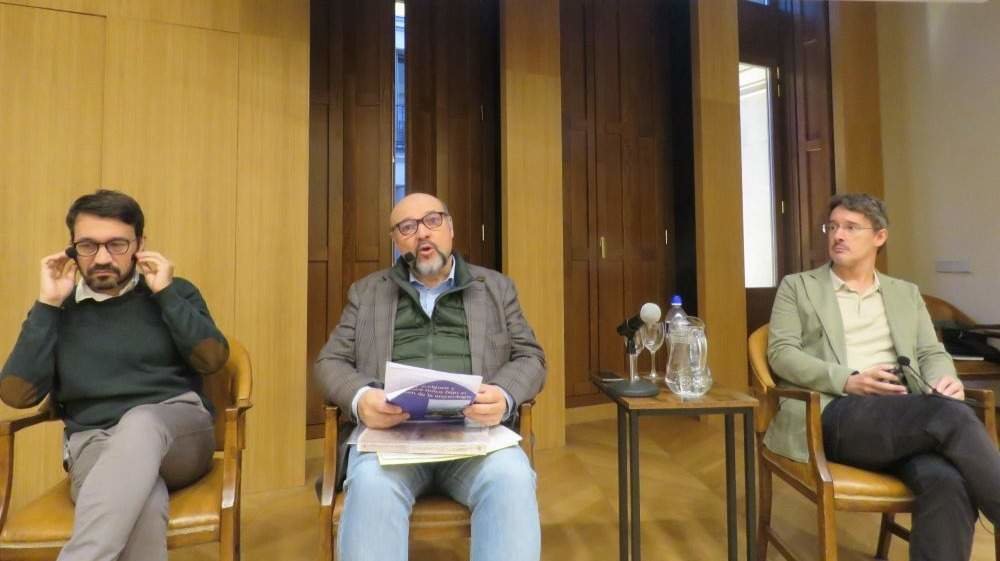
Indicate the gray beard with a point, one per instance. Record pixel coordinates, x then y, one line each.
432 267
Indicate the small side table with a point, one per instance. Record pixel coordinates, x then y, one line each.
718 401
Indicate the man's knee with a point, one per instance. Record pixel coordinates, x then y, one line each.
375 484
142 420
509 472
933 477
951 416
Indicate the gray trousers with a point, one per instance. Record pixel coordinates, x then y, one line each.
121 476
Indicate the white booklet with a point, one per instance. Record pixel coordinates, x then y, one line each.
429 395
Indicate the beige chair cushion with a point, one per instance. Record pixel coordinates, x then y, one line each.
48 520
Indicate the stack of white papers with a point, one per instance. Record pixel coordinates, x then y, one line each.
498 437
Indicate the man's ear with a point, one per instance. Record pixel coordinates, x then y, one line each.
881 237
142 244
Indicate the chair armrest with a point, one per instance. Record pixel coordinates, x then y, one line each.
814 430
328 489
986 409
526 431
331 455
8 428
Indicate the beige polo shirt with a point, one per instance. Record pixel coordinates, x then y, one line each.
866 328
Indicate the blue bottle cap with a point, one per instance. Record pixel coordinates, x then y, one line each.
676 300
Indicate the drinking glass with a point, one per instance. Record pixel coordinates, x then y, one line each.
651 336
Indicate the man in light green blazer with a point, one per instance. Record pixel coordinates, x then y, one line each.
891 400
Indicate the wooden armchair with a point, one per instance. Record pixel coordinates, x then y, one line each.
434 517
203 512
830 485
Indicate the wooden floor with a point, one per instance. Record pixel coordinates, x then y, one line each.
683 505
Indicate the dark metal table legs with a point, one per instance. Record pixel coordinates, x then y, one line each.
622 487
629 539
731 522
633 452
750 484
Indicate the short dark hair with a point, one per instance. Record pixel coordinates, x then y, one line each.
106 203
872 207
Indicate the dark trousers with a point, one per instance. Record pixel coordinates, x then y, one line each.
938 447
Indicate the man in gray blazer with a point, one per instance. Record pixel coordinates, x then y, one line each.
434 310
891 400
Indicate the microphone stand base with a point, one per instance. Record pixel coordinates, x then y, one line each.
633 388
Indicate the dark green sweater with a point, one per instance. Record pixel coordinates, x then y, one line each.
100 359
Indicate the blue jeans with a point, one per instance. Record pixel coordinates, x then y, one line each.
498 488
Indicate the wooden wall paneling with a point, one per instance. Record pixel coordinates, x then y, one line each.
718 184
531 152
93 7
52 70
854 81
856 107
170 142
221 15
272 237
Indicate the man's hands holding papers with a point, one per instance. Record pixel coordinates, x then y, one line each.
377 413
489 407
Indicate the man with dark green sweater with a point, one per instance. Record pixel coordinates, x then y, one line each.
121 351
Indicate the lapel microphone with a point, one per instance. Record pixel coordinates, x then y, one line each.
904 362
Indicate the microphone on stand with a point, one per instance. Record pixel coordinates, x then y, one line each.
634 386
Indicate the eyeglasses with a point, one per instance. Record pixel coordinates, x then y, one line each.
115 246
432 220
850 228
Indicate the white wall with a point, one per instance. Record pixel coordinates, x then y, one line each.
939 76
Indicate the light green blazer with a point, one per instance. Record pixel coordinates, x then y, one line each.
806 347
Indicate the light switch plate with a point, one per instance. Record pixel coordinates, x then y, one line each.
952 266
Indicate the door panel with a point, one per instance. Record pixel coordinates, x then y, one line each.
618 191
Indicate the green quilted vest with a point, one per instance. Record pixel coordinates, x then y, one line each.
440 342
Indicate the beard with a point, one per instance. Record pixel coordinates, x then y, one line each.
107 282
431 267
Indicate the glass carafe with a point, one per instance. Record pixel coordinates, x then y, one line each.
687 364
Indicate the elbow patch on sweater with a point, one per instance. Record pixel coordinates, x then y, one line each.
18 392
209 355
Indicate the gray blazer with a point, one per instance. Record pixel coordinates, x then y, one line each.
503 346
806 347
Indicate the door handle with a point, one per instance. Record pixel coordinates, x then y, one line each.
604 248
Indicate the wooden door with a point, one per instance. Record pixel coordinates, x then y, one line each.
617 180
452 117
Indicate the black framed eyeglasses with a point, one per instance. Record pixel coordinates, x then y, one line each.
432 220
115 246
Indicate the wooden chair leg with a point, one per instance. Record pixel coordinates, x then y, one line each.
996 541
827 524
764 511
884 536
